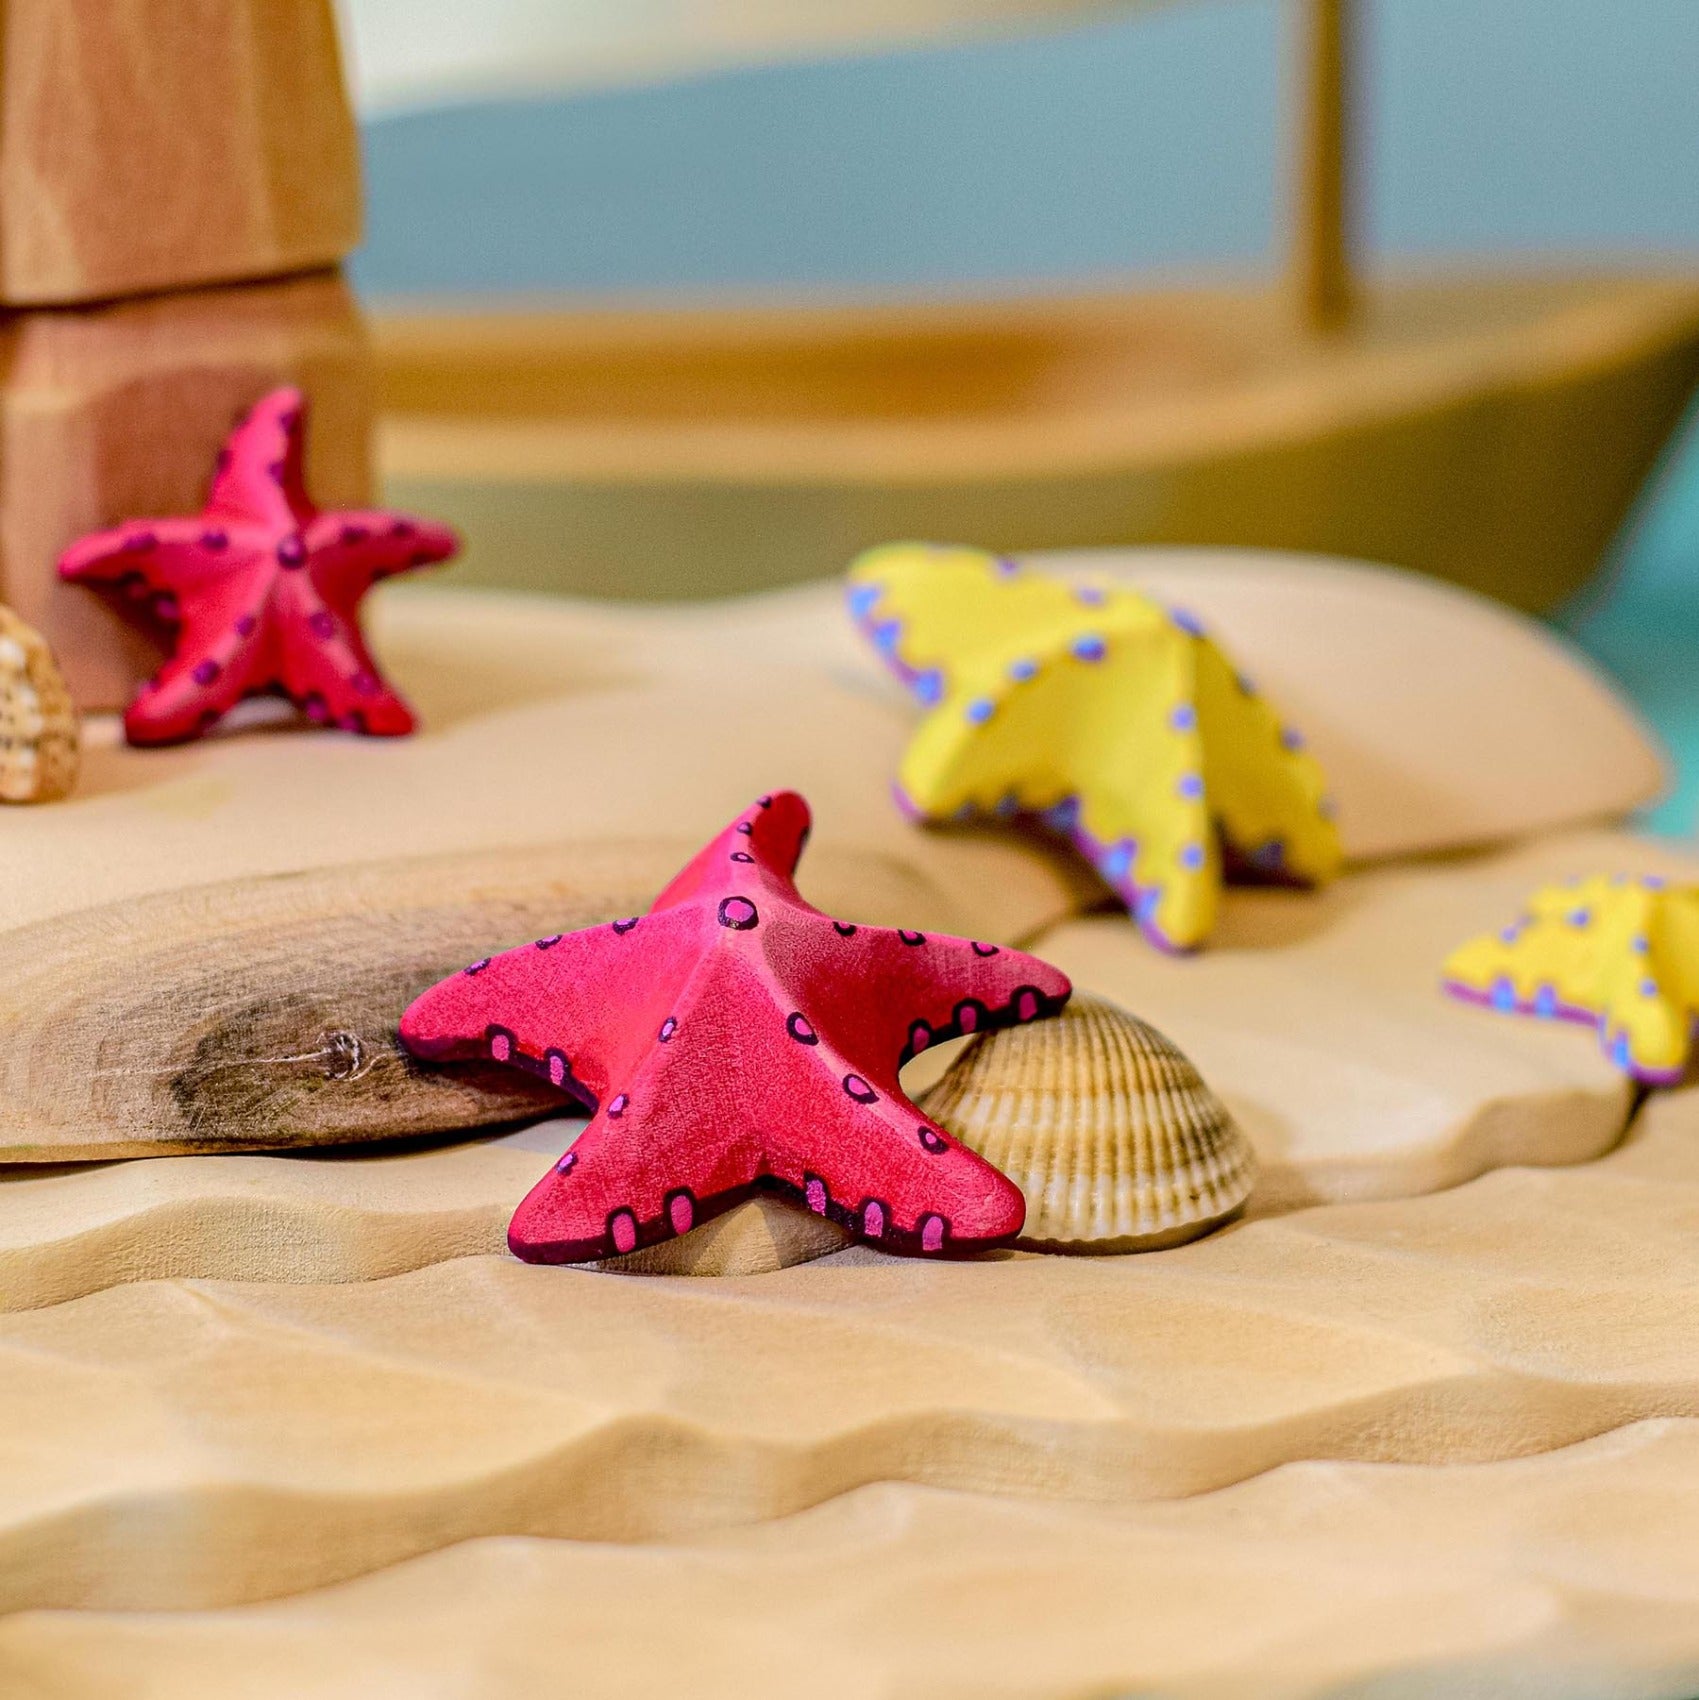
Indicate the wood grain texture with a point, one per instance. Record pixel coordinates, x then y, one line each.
1569 1576
261 1014
152 144
697 453
118 412
181 1445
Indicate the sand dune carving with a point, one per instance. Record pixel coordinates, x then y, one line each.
1568 1575
179 1445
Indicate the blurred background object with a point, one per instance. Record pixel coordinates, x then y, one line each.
721 328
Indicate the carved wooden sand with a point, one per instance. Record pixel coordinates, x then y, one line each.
261 1013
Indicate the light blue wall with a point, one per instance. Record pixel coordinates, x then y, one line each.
1492 124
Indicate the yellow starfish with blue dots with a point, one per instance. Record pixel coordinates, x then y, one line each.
1111 719
1618 952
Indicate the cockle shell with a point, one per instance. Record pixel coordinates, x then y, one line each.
40 740
1105 1126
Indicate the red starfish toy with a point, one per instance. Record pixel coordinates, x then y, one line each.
735 1039
264 590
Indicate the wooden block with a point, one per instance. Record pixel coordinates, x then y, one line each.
118 412
155 144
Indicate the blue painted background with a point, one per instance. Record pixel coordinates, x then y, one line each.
1152 144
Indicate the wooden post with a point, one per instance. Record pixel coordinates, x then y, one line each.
1321 234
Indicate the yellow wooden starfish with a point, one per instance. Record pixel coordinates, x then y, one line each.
1617 952
1112 719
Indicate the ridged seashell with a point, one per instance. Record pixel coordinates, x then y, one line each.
40 740
1105 1126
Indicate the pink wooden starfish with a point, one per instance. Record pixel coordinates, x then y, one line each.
735 1039
263 588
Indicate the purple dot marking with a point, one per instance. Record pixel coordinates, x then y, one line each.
215 540
247 625
557 1069
932 1141
291 551
1026 1006
625 926
919 1037
986 949
910 938
1090 647
980 710
567 1163
737 913
321 625
205 672
479 966
844 929
1183 718
681 1212
873 1219
815 1192
623 1226
668 1028
619 1106
800 1029
1190 786
501 1046
1191 857
932 1233
1022 670
859 1090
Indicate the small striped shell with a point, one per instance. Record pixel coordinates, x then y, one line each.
40 740
1105 1126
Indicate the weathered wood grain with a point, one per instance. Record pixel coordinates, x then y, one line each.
260 1014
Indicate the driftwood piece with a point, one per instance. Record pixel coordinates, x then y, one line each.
260 1014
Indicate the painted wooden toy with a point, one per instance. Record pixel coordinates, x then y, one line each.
1615 951
1109 718
263 589
735 1040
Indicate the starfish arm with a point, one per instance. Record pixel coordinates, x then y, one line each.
257 478
565 1007
897 991
759 849
325 669
168 559
1265 790
937 616
208 675
349 550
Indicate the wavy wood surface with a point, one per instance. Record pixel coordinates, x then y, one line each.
180 1445
1568 1576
